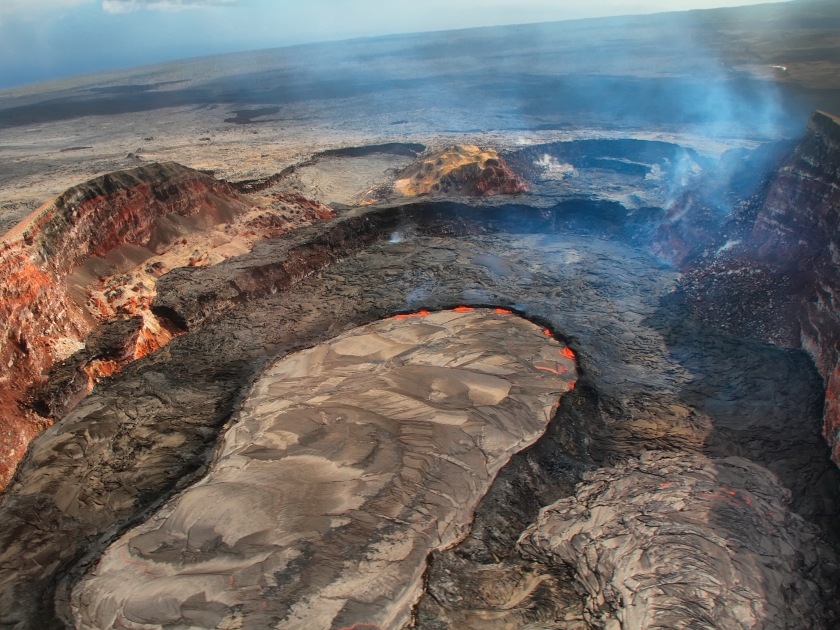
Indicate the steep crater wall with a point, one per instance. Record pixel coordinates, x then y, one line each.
778 277
44 312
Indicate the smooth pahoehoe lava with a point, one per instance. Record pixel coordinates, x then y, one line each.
347 464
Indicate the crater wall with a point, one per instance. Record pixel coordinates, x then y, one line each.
779 279
45 316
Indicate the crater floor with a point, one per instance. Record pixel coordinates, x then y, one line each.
347 464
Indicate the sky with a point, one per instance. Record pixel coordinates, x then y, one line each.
47 39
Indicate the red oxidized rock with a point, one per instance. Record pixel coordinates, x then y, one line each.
44 317
831 426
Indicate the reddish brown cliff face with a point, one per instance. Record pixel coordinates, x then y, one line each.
47 302
780 281
798 231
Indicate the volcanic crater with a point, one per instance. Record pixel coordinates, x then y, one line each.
335 431
486 366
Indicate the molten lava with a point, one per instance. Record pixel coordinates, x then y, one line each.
408 315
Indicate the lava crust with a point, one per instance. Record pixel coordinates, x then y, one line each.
679 541
352 461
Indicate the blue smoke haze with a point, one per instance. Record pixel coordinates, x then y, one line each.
46 39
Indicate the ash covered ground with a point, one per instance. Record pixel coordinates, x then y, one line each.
662 208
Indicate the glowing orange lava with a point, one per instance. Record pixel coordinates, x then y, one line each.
724 493
463 309
407 315
502 311
567 353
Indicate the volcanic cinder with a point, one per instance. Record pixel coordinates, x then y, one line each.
545 339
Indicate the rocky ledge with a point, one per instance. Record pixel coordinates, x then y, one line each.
93 257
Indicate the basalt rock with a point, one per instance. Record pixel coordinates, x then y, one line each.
461 170
44 315
188 296
683 541
112 343
780 280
